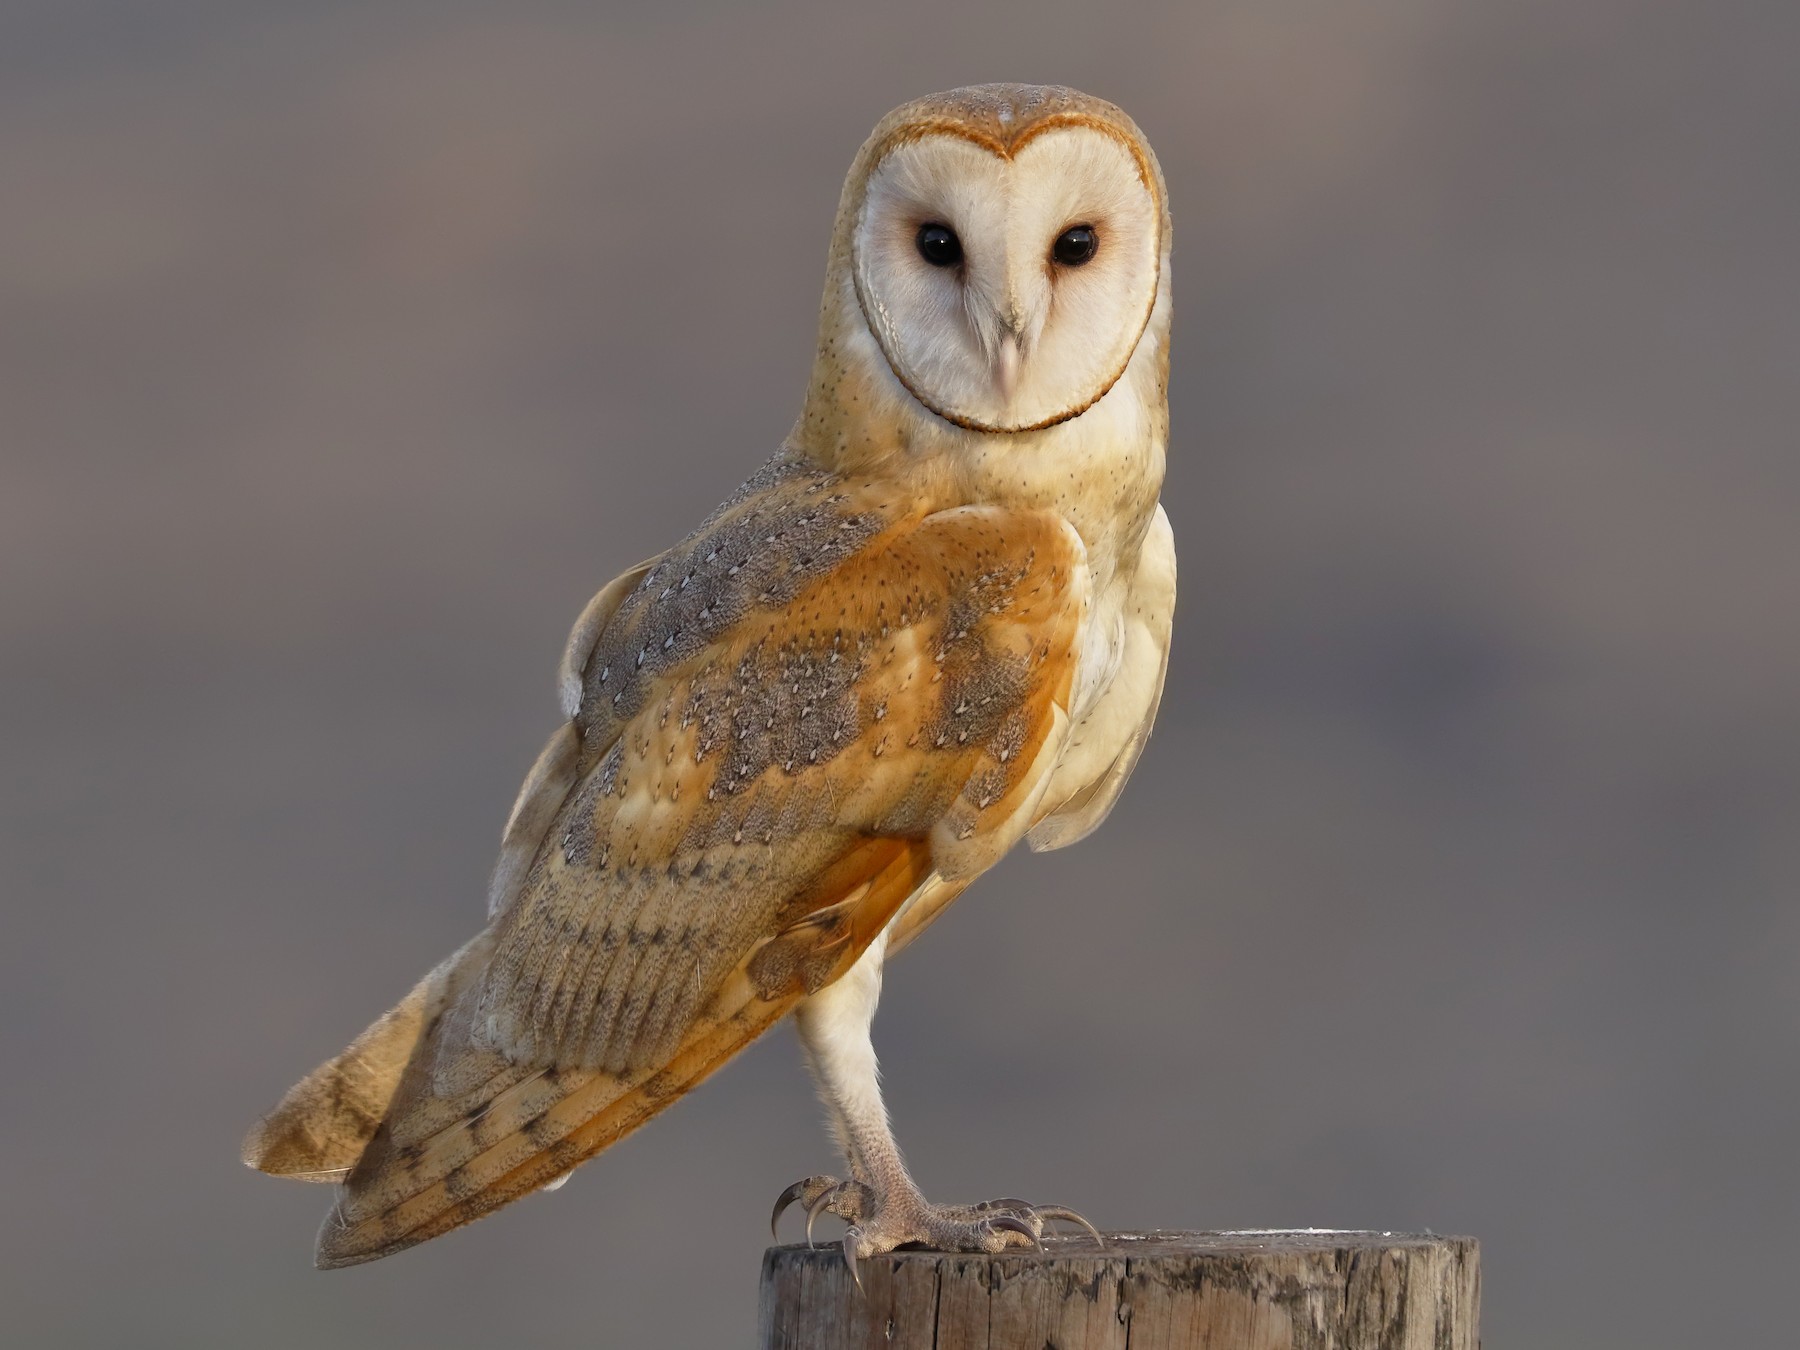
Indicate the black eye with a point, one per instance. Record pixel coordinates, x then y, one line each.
939 246
1075 245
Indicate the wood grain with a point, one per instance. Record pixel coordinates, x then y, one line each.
1162 1290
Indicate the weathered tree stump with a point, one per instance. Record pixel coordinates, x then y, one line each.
1277 1290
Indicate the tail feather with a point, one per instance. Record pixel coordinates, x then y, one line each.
519 1144
320 1129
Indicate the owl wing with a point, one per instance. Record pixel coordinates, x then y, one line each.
819 705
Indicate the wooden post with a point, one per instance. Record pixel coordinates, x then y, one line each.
1305 1290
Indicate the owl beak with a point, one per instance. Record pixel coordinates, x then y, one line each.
1006 365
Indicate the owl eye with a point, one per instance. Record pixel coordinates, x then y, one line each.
1075 245
939 246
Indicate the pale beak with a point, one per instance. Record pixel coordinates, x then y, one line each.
1006 366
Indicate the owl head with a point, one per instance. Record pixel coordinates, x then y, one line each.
998 258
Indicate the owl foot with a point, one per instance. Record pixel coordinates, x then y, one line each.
879 1224
849 1200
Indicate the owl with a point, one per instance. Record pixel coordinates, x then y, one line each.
934 624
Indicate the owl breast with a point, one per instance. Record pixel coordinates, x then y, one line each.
1125 653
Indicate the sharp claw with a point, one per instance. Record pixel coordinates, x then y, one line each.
1068 1216
816 1208
782 1201
1014 1225
850 1237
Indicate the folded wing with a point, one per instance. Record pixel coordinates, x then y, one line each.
819 705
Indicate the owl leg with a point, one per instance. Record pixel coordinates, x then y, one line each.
880 1200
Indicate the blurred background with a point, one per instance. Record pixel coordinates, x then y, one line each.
346 349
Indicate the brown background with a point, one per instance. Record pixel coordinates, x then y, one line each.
346 348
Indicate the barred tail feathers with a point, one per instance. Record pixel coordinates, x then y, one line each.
320 1128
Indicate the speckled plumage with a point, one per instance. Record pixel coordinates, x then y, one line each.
906 643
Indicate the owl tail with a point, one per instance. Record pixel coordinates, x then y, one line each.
467 1132
319 1130
428 1131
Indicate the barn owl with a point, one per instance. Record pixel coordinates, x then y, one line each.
935 623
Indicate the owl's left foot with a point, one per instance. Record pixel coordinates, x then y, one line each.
849 1200
879 1224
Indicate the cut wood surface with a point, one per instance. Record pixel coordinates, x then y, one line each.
1309 1289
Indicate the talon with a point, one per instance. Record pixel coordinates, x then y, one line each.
1014 1225
850 1237
1068 1216
782 1201
816 1208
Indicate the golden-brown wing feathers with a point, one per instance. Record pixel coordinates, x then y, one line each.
548 783
838 690
821 704
540 1124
